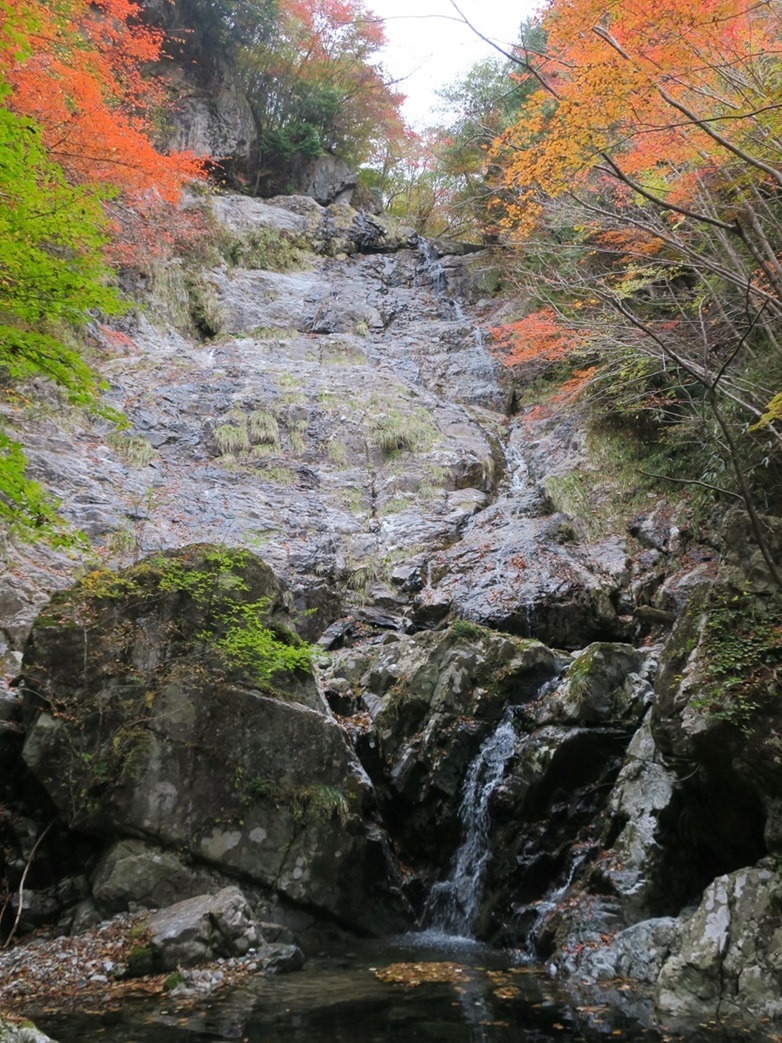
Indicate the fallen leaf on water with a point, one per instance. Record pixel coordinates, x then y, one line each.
412 974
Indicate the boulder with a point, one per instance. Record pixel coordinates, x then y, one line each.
637 953
140 726
139 874
727 962
205 928
602 685
12 1032
327 179
549 815
201 928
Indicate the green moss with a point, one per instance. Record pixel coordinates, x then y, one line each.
394 506
204 305
394 430
740 655
174 979
338 452
140 961
264 249
465 629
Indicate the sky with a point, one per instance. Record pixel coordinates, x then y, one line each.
429 47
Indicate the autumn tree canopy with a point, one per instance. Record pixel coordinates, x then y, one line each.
643 178
310 71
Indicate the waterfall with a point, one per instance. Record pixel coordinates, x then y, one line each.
453 904
434 271
544 906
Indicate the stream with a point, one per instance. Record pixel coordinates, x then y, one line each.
478 996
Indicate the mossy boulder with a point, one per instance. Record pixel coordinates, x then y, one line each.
174 702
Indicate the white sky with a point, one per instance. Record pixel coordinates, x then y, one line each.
428 47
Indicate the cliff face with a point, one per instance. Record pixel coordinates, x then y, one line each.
325 401
212 115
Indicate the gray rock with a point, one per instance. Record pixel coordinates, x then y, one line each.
11 1032
328 180
637 953
135 872
602 686
727 961
644 790
201 929
150 738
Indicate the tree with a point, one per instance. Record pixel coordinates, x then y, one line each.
650 150
76 68
51 273
309 70
75 125
485 102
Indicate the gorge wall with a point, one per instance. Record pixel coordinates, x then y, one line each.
318 430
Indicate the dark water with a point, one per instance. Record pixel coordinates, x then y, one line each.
483 998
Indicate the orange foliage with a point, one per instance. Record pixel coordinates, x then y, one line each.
538 337
74 67
615 75
572 388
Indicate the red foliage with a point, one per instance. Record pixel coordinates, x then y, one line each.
539 336
76 69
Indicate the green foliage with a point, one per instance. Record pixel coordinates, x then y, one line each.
315 803
51 276
320 803
249 645
239 631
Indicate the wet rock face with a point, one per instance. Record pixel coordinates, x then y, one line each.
433 698
550 812
140 724
717 712
347 417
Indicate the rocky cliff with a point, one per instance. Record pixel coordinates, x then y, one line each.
322 448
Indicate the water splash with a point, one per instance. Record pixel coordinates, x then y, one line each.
453 904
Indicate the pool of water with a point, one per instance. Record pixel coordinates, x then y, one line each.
407 989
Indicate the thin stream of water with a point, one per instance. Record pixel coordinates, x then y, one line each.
453 904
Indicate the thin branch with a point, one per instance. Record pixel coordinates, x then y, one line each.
694 481
527 66
716 136
20 892
620 174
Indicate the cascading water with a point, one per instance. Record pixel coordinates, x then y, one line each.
453 904
435 273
